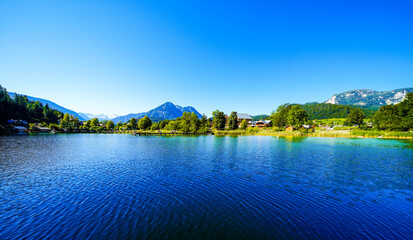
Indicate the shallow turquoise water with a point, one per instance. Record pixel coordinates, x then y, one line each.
97 186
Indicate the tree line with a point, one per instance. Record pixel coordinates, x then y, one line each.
289 115
188 122
325 111
328 110
397 117
21 108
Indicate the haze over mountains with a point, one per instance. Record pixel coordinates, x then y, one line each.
102 116
361 97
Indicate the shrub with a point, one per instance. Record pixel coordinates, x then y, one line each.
252 130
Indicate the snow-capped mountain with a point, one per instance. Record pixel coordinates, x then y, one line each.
88 116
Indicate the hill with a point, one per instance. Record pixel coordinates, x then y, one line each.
328 110
51 104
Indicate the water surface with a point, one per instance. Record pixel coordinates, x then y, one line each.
97 186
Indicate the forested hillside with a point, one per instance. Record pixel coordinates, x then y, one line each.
21 108
327 110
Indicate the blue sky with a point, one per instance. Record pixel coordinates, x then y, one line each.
119 57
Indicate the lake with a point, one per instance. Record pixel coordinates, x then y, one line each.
112 186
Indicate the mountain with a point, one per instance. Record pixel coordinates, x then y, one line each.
369 98
88 116
165 111
51 104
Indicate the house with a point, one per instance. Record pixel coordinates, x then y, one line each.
263 123
260 123
243 116
43 129
305 126
20 130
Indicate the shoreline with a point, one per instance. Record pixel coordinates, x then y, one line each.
341 134
356 134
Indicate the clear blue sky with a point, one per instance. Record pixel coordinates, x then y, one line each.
249 56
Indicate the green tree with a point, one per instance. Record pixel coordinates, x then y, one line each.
145 123
6 105
387 118
244 124
195 123
397 117
406 112
172 125
65 121
279 117
75 122
155 126
204 124
35 111
47 112
162 124
133 123
118 126
355 116
183 123
54 126
94 123
87 125
110 125
219 120
233 121
296 116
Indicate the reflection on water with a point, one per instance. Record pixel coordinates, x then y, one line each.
119 186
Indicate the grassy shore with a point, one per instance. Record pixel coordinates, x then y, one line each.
341 133
352 133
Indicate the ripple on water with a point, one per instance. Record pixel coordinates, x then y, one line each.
119 186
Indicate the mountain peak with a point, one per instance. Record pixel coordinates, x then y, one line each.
168 103
168 110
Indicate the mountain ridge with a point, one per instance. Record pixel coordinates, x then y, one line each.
101 116
166 111
369 98
51 104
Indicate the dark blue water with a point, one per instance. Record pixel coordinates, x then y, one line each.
84 186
